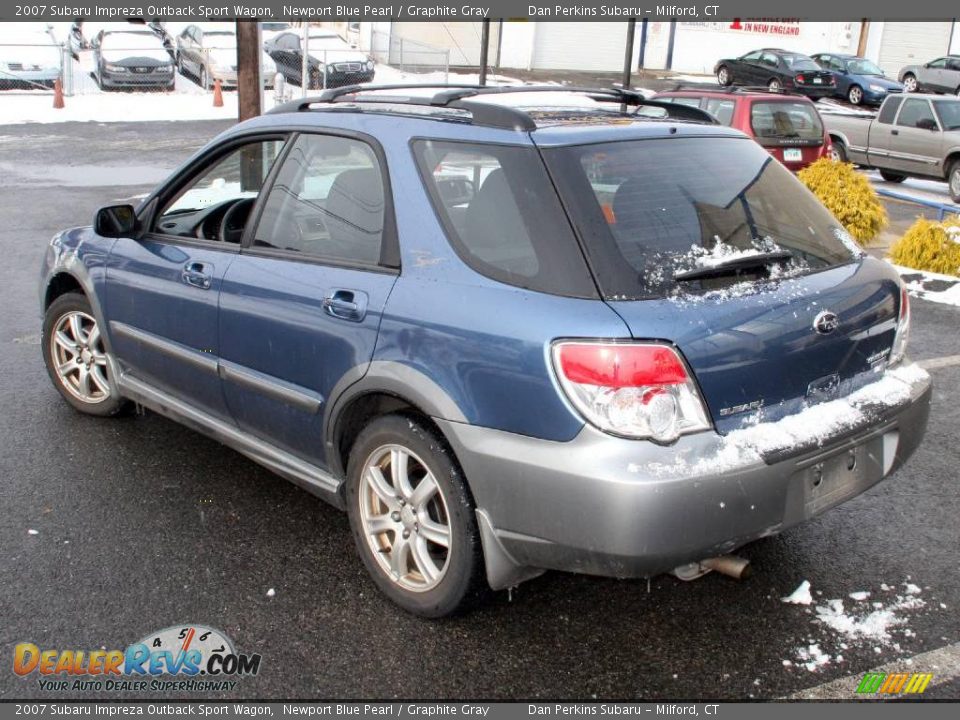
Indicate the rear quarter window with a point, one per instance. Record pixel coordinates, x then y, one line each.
502 215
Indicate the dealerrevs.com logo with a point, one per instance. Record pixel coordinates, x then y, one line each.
183 657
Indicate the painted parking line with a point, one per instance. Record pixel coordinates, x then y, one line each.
939 362
943 664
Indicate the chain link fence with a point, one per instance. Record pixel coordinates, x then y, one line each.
410 57
30 67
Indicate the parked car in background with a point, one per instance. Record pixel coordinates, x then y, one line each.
208 52
788 126
860 81
269 30
331 60
29 56
912 136
777 70
937 76
130 58
620 345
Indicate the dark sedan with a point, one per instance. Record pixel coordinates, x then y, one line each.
859 80
777 70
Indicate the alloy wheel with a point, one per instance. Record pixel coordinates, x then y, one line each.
79 358
774 85
856 95
723 76
910 83
955 181
404 517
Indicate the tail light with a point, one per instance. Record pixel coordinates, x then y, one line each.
634 390
800 79
902 336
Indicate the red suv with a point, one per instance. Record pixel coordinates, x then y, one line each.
788 126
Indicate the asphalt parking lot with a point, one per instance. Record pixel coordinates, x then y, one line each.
140 524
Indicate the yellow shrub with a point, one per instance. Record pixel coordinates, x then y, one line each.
848 195
930 245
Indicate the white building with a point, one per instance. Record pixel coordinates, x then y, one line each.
691 47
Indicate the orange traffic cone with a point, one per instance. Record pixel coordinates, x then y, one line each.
57 95
217 94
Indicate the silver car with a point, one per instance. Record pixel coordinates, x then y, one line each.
209 53
937 76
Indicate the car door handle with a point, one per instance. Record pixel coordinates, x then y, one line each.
197 274
345 304
894 132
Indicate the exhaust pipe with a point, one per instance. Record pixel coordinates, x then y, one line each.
730 565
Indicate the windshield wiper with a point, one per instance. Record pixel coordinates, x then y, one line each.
734 265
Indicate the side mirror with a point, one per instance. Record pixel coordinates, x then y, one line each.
115 221
927 124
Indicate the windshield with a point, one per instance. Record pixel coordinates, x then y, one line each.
774 122
949 112
800 62
649 210
859 66
131 40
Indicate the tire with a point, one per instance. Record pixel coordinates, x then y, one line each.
204 78
67 317
953 181
774 85
425 578
957 92
724 76
839 153
910 83
855 94
892 176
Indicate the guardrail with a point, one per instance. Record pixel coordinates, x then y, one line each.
942 208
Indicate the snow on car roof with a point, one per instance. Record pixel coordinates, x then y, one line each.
131 39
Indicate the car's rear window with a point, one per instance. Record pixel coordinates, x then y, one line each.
648 210
776 122
502 215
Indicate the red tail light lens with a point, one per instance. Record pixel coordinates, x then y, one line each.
636 390
800 79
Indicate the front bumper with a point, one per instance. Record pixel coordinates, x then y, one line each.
135 79
609 506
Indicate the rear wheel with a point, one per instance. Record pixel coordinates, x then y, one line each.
774 85
724 76
76 359
413 518
953 178
892 176
855 95
910 83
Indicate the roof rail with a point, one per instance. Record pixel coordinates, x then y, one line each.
491 115
710 87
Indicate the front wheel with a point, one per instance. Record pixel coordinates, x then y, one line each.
774 85
413 518
855 95
76 358
910 83
723 76
892 176
838 153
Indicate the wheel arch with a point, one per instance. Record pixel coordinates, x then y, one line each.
953 157
60 284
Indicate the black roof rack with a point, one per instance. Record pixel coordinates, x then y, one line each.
460 97
710 87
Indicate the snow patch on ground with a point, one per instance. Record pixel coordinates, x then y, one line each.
875 626
800 596
943 289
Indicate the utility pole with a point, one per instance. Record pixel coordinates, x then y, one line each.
484 51
248 69
628 52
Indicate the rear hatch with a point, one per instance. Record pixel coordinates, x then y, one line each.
709 244
790 129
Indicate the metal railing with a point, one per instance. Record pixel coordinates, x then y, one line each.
30 67
409 56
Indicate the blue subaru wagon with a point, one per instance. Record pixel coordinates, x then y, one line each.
506 330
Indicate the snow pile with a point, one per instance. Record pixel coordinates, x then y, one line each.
862 626
943 289
813 425
800 596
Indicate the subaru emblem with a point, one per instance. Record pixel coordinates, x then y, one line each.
826 322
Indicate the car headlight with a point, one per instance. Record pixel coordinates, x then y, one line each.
878 88
369 64
115 68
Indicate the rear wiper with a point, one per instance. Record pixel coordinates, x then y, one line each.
734 265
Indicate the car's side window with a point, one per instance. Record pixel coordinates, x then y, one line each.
327 202
916 113
752 57
722 110
889 110
769 60
939 63
954 64
689 101
200 207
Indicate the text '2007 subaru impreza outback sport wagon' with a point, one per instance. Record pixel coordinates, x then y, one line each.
599 334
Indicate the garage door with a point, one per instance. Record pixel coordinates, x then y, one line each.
579 46
910 43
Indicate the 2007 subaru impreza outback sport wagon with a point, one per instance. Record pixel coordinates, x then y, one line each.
576 331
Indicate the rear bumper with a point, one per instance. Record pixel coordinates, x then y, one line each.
816 91
609 506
